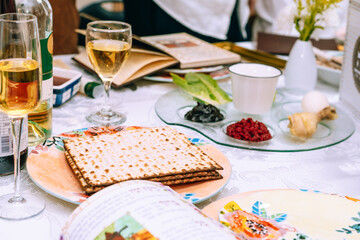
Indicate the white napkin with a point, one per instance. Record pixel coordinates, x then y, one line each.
207 17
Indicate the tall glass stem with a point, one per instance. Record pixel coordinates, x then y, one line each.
16 128
106 110
106 116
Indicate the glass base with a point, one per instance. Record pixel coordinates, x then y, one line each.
27 206
110 118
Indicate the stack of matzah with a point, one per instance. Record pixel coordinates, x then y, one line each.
156 154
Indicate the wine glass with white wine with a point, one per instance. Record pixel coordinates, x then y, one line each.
108 45
20 94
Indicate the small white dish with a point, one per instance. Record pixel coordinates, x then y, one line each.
329 75
66 84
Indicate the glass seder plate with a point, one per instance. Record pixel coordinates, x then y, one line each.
172 107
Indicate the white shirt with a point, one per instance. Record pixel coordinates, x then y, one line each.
207 17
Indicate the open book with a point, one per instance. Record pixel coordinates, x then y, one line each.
139 209
153 53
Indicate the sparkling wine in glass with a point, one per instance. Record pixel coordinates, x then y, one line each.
20 94
108 45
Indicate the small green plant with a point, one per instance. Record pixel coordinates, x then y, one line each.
309 14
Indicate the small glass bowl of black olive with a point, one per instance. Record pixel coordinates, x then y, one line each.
204 113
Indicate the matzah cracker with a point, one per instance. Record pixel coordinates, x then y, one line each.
185 175
166 180
136 154
190 180
87 188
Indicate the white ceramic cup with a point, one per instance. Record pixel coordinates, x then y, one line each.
253 86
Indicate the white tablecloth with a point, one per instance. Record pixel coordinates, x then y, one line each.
335 169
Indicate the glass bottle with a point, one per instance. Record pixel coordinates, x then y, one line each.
6 144
40 121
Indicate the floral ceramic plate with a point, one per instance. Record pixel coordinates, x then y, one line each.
49 169
298 214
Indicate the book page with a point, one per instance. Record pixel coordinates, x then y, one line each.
140 63
191 51
141 210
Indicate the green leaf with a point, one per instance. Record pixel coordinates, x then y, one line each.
355 226
60 148
203 87
347 231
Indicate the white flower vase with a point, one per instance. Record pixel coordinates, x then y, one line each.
300 70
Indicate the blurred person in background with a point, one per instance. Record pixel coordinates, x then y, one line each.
210 20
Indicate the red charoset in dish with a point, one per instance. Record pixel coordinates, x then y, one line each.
249 130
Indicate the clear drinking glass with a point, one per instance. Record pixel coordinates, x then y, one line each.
20 94
108 45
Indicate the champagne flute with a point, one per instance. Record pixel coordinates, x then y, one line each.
20 89
108 45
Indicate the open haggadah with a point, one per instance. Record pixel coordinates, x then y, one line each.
158 154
